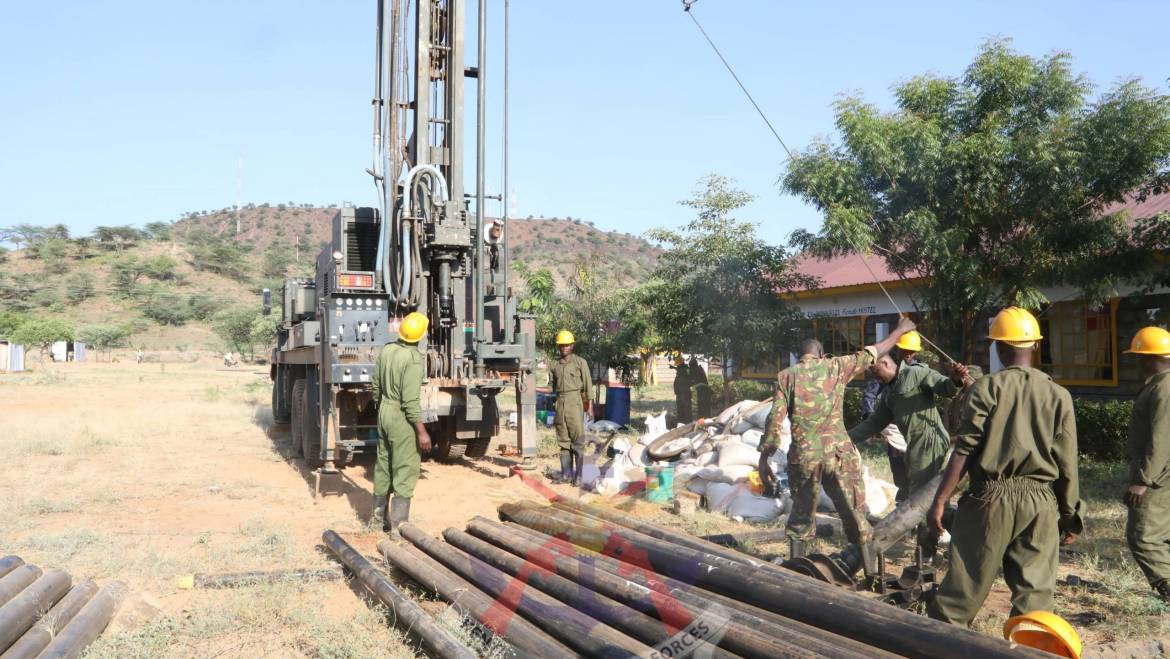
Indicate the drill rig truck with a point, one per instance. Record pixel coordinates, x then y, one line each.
421 249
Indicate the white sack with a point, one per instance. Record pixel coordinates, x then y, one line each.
730 474
721 495
698 486
752 438
737 453
753 508
759 416
727 414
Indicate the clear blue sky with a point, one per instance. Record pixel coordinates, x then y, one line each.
125 112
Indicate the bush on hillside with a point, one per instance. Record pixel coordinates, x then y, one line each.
166 309
78 288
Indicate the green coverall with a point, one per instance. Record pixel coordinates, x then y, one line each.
1020 438
909 403
571 382
1148 528
397 380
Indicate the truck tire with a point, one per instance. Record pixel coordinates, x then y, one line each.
477 448
280 400
310 431
298 394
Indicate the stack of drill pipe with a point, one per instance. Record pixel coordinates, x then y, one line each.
87 624
786 593
436 638
52 623
607 611
470 602
20 612
583 634
9 563
17 580
750 632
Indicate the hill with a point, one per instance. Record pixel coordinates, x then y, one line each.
166 282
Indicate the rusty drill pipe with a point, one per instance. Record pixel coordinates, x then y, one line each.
22 611
17 580
748 634
787 593
631 622
10 563
42 633
470 602
87 625
901 521
575 629
413 618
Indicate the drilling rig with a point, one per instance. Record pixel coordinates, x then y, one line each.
427 246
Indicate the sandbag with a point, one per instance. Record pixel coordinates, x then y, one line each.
721 495
758 415
698 486
741 426
737 453
732 474
707 458
727 414
752 508
752 438
603 426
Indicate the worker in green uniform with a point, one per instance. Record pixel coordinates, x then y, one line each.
908 402
811 394
570 380
1018 443
1148 528
682 390
701 389
402 437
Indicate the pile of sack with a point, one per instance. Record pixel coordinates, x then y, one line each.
718 460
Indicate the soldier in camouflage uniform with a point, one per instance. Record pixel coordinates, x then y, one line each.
811 394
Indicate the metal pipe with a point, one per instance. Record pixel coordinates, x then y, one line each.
10 563
580 632
902 520
21 611
480 182
87 625
581 596
410 615
52 623
787 593
470 602
670 601
17 580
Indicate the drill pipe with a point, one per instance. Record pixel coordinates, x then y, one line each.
636 624
414 619
787 593
87 625
470 602
17 580
10 563
886 533
52 623
22 611
580 632
752 632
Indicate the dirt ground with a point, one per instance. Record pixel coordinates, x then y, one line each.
148 472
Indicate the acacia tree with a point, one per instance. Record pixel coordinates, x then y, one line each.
991 185
717 288
42 333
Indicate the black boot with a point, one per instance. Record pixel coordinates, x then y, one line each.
399 513
1163 590
378 512
566 475
578 459
797 548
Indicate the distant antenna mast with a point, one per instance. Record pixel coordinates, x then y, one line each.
239 189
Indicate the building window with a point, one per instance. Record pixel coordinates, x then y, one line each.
840 336
1079 343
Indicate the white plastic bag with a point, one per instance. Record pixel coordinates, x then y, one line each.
655 428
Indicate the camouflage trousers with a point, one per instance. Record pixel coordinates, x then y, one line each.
840 472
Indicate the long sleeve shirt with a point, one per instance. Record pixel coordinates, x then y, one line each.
1149 434
398 381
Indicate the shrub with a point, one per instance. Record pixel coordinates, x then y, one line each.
167 309
740 390
1103 427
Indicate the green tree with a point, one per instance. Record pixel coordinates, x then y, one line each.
118 238
277 259
159 231
716 290
124 275
42 333
234 326
160 268
78 288
9 321
992 184
104 337
22 234
212 253
50 250
263 330
201 306
166 308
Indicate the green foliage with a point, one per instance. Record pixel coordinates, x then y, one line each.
992 184
1103 427
52 251
124 274
738 390
10 320
45 296
160 268
277 259
716 289
41 333
242 328
263 329
166 308
851 408
218 254
201 306
104 337
22 234
118 238
160 231
78 288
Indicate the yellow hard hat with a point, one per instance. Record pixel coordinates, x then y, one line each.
910 341
565 337
1015 327
679 361
1150 341
413 328
1045 631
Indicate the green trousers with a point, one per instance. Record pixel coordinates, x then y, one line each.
398 464
1148 533
1009 524
840 472
570 421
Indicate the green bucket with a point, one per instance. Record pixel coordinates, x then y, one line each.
542 416
660 484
